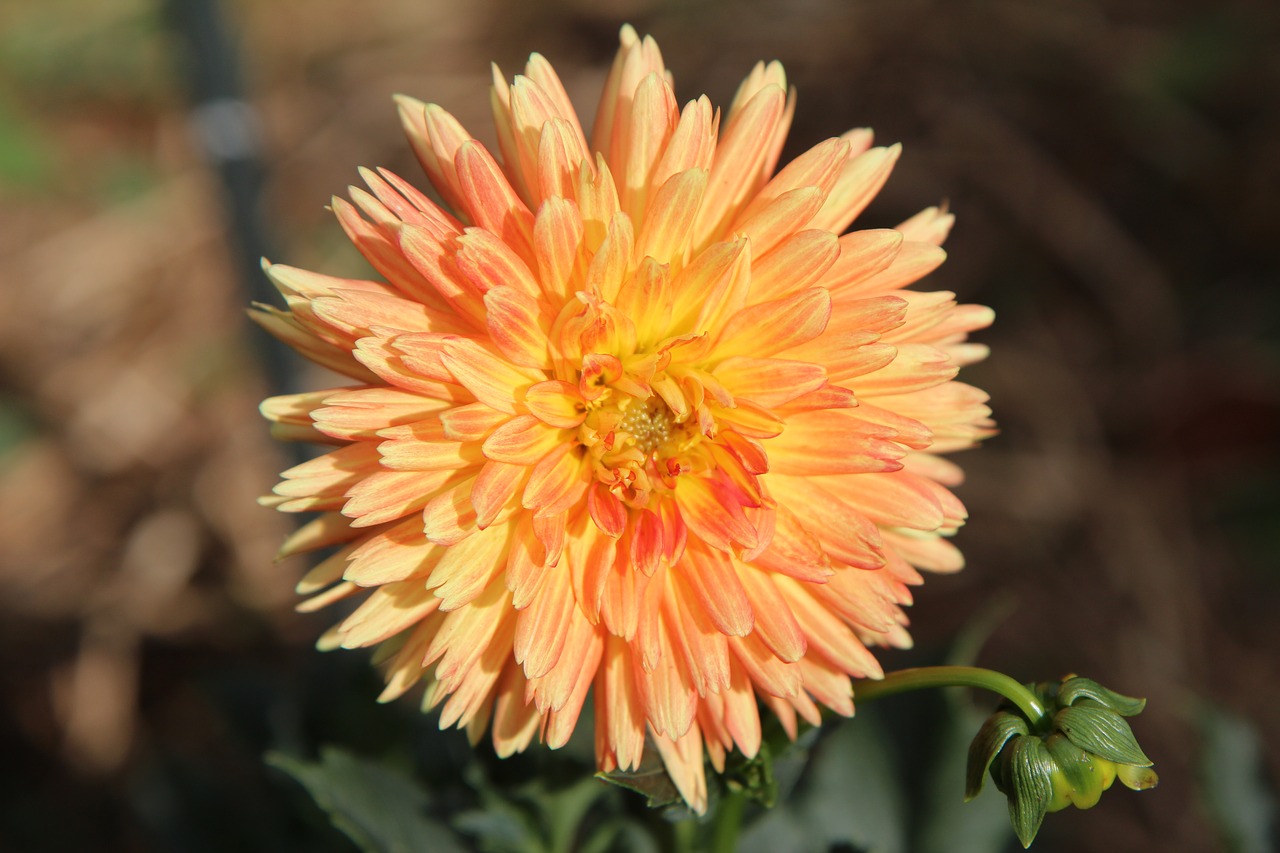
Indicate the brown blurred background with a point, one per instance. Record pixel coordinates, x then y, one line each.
1114 166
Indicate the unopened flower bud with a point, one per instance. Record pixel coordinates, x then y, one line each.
1069 756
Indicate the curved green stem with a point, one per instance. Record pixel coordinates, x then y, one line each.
919 678
728 822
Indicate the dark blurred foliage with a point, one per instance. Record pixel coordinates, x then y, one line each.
1115 169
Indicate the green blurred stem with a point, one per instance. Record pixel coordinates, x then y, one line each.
684 836
728 822
919 678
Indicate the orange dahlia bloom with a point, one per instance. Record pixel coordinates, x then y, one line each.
630 414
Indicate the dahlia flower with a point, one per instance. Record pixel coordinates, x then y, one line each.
631 414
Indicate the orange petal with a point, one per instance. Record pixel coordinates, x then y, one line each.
450 517
487 262
718 589
916 367
771 327
930 225
704 648
619 723
834 442
466 568
667 228
387 611
523 440
432 259
327 478
683 760
397 553
780 219
517 327
558 234
817 168
329 529
515 720
491 202
495 488
525 564
543 626
472 422
434 136
862 177
557 483
769 381
770 674
559 162
608 513
845 533
590 555
556 403
645 128
775 624
798 262
863 254
422 446
692 144
711 510
826 634
740 160
562 718
483 372
667 691
387 495
361 412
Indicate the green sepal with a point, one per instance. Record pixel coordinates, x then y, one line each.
1028 780
986 745
1075 688
1097 729
1077 769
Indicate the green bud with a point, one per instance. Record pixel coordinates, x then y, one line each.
1069 756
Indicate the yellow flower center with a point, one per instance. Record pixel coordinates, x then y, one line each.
638 445
649 423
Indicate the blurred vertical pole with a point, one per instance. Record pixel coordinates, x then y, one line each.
227 129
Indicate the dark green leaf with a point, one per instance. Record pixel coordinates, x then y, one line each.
379 808
1028 774
650 779
1101 731
1086 688
986 745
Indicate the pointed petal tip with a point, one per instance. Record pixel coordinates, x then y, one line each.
407 101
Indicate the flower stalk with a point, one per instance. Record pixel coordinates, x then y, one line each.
920 678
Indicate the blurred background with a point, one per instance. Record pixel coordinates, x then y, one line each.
1115 170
